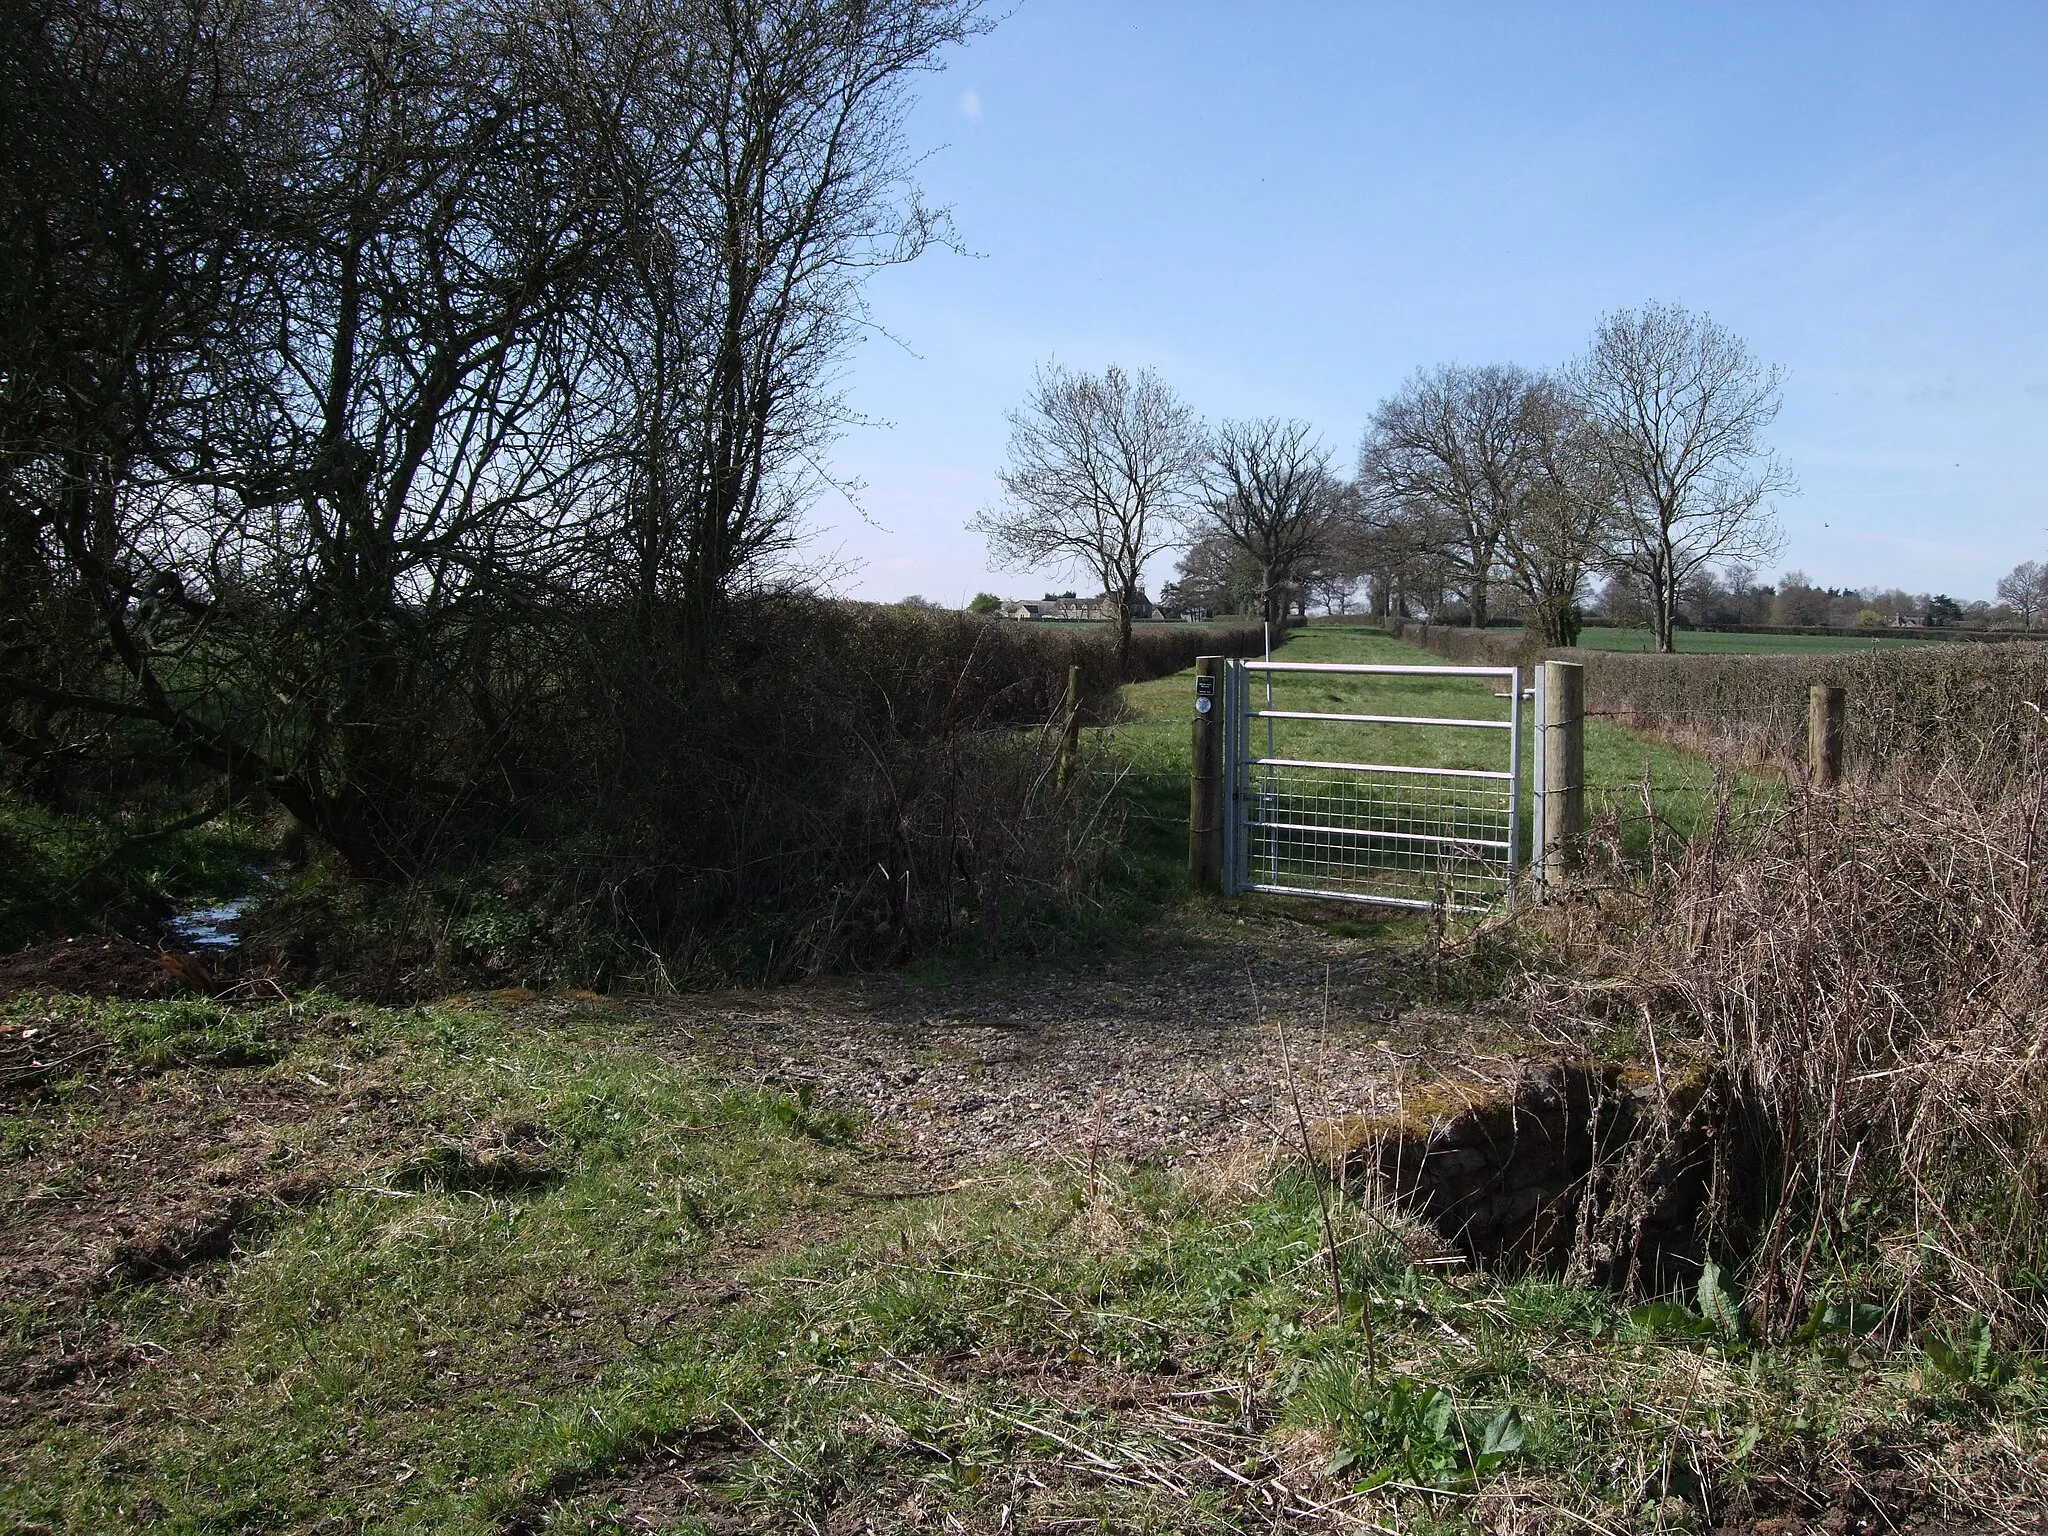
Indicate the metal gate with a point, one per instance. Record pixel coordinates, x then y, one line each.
1344 827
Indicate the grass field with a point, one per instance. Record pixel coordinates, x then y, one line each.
528 1267
1152 748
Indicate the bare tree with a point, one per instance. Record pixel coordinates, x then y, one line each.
448 315
1563 515
2025 590
1453 451
1394 549
1681 406
1213 575
1102 469
121 199
754 153
1268 491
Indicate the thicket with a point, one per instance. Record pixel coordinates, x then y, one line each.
842 784
406 414
1840 994
836 783
1844 1002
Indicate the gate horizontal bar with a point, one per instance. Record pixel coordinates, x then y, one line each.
1371 901
1434 773
1391 837
1310 714
1348 666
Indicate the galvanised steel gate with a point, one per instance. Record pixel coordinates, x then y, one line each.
1341 816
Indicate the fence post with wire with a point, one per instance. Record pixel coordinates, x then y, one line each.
1561 769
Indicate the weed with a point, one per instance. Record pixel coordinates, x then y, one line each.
1403 1431
187 1032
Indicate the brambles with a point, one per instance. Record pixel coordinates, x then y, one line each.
1861 973
848 784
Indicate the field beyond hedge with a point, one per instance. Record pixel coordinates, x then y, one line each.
1703 642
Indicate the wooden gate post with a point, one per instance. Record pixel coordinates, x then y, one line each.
1563 810
1826 707
1070 728
1205 781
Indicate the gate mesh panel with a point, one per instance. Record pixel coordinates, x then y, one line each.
1396 836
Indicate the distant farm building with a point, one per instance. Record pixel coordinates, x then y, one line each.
1100 609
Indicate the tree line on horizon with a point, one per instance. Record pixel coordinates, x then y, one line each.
1634 482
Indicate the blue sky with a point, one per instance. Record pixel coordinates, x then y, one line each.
1286 209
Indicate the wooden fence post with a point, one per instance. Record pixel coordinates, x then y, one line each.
1826 708
1205 781
1070 728
1563 810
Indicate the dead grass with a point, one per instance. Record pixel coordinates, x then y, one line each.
1863 972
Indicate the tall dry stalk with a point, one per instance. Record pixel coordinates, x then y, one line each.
1863 972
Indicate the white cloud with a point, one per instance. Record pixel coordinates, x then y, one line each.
970 104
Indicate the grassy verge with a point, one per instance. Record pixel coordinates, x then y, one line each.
1151 749
674 1302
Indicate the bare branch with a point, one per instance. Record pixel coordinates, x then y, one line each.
1681 407
1101 475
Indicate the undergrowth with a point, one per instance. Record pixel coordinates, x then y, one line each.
1859 974
698 1286
101 870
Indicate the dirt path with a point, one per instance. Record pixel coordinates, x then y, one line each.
1154 1058
1148 1059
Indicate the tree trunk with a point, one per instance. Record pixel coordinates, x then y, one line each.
1558 624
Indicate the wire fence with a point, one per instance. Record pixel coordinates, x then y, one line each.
1405 835
1384 835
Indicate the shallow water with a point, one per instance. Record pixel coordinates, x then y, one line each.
209 927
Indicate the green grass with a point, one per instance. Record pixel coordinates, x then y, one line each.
186 1032
726 1278
1153 747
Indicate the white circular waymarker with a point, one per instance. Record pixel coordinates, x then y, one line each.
1201 706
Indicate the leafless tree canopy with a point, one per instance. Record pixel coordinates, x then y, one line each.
1102 468
2025 591
1681 407
1268 491
400 327
1484 475
1452 453
1563 518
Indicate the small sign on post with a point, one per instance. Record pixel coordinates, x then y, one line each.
1205 782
